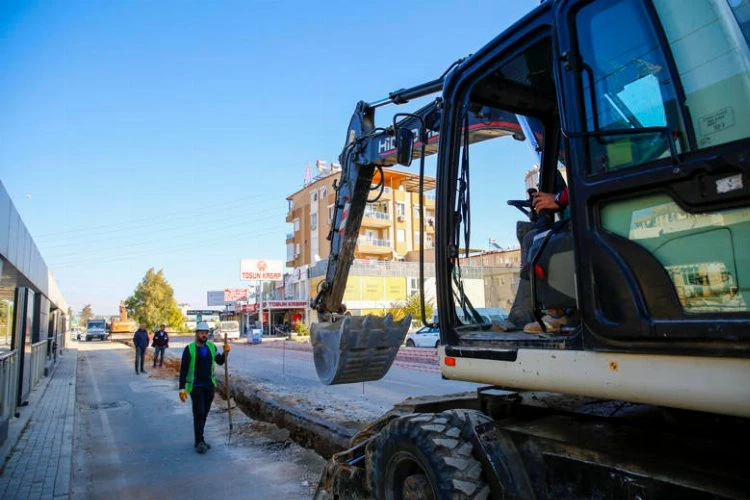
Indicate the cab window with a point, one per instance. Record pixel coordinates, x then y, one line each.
630 99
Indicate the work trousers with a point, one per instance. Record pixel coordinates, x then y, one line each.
159 351
140 353
202 398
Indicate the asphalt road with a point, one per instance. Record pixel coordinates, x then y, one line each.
133 439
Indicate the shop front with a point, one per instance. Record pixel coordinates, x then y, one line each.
282 316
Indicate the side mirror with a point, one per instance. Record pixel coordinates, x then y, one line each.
404 146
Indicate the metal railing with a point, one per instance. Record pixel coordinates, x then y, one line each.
8 383
374 242
376 214
37 361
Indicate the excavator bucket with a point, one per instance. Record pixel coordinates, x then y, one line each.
356 348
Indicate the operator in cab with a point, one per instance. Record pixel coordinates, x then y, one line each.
198 380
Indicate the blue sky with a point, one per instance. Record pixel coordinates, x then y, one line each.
168 134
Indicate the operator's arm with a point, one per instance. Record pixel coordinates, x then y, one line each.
184 366
548 201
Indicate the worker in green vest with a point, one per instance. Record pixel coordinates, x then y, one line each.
197 379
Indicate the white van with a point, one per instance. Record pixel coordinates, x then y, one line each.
228 329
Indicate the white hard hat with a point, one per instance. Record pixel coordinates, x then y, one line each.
202 326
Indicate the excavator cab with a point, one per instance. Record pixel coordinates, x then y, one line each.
647 261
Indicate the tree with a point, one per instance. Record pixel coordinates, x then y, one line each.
153 302
86 315
412 306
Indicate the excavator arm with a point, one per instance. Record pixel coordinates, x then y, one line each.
353 348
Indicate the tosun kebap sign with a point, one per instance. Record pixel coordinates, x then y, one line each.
264 270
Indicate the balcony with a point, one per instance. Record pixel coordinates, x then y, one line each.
290 216
289 237
387 193
374 218
374 246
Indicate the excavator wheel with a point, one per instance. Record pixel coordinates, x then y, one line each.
427 456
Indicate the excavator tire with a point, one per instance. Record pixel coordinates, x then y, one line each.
356 348
427 456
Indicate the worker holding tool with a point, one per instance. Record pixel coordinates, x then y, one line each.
198 380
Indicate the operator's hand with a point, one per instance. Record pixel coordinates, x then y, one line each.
544 201
183 395
227 348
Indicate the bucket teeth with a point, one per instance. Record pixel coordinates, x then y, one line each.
357 348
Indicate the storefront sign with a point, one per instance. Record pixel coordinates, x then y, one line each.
235 294
284 304
246 308
263 270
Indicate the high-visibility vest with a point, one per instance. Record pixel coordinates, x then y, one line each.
191 371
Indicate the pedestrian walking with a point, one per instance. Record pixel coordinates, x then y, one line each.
198 380
160 343
140 340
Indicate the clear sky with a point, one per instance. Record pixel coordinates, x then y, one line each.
168 134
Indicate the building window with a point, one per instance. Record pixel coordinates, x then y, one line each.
323 192
330 214
315 196
296 225
290 252
416 211
400 209
400 236
314 221
296 250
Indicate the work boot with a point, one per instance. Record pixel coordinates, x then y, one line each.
552 323
201 448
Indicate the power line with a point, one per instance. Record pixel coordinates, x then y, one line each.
187 230
139 223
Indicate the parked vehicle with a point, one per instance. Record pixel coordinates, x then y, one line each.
96 329
424 337
228 329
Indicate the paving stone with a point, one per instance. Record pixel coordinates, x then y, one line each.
40 464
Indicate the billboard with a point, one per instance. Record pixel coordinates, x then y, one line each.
260 269
215 298
235 294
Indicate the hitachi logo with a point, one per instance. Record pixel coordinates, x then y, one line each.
386 144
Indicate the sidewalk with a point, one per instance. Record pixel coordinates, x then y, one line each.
38 454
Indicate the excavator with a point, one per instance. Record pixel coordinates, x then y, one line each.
644 390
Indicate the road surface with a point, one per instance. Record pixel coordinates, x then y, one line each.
134 439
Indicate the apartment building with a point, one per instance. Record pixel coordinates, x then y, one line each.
390 227
385 269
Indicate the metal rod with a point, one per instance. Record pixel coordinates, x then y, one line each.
403 96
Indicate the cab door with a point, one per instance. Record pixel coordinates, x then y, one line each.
655 102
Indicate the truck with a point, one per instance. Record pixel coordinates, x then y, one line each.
96 329
644 106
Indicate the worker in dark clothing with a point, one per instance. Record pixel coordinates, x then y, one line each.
197 379
160 342
140 340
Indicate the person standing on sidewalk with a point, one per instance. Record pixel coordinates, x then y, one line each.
140 340
197 379
161 342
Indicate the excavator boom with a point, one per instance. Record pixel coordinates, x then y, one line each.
356 349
